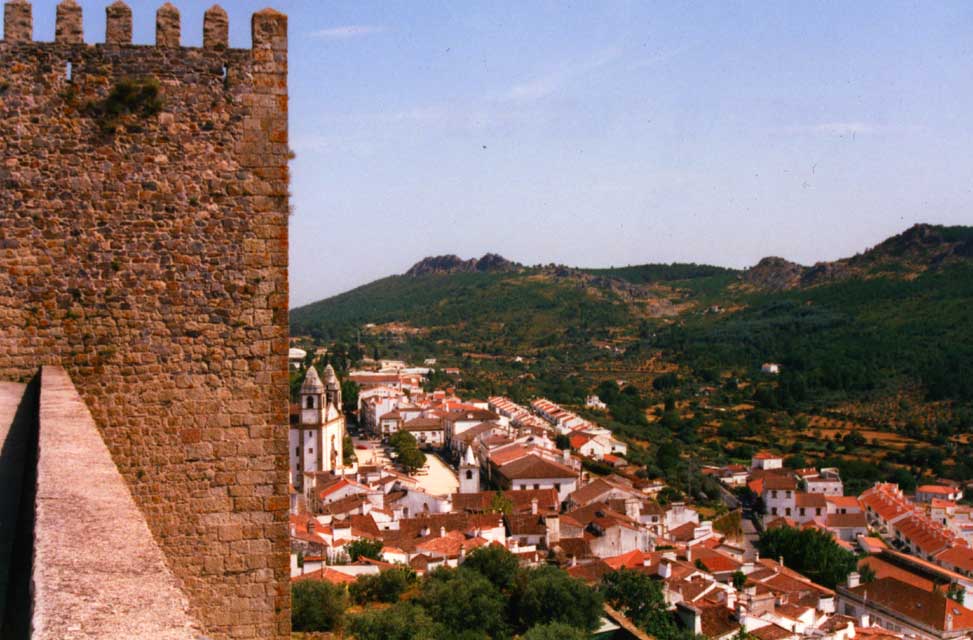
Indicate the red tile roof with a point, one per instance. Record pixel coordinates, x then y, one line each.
845 520
326 574
957 556
714 561
936 489
844 502
925 607
812 500
534 466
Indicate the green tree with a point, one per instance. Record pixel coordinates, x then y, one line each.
555 631
548 594
386 586
365 547
402 621
349 395
667 456
639 597
348 449
866 573
956 592
411 459
407 449
463 599
667 495
317 606
500 503
809 551
496 564
739 580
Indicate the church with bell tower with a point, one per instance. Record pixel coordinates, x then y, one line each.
316 437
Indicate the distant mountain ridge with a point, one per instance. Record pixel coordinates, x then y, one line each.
492 291
915 250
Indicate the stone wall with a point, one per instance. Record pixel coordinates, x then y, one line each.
146 252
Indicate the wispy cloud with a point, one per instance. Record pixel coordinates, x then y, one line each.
346 32
550 83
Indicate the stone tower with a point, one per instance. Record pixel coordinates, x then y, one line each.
143 248
469 472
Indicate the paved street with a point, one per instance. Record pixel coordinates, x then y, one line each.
440 479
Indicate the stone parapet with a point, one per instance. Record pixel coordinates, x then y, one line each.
98 573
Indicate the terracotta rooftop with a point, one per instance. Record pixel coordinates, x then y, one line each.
547 500
886 569
534 466
327 574
913 603
842 520
811 500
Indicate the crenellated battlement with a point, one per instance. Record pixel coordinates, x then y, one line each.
143 247
18 25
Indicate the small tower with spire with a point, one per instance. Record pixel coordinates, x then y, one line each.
469 472
332 387
312 398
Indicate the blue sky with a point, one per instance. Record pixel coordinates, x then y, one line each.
613 132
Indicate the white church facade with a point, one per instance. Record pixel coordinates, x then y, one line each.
316 438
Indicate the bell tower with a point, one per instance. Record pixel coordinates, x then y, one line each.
312 398
469 473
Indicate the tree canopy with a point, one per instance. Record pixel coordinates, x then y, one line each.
317 606
811 552
365 547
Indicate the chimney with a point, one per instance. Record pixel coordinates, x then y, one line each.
566 455
553 526
574 561
743 618
310 526
632 508
731 599
864 620
780 560
689 554
533 506
665 570
696 618
442 532
423 532
854 579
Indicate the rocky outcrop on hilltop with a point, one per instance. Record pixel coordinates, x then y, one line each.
917 249
774 274
446 264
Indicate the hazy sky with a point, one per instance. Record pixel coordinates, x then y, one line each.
611 132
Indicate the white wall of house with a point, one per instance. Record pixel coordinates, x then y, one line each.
563 486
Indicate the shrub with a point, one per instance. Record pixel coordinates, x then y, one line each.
317 606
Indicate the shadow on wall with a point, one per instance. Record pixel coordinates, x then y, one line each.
18 471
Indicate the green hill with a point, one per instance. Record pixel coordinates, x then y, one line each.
505 307
897 315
